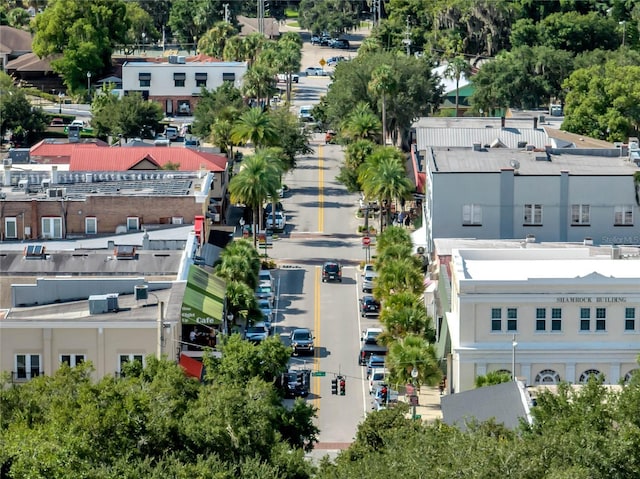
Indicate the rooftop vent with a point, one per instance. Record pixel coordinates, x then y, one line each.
477 146
34 251
125 252
173 58
181 59
530 238
103 303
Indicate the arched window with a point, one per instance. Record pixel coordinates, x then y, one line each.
627 377
584 377
547 376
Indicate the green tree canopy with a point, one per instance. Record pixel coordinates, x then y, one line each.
129 116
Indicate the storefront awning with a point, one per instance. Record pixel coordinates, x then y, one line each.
192 367
203 300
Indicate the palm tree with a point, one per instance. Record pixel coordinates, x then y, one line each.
221 136
241 299
254 126
255 182
214 40
383 177
237 268
235 50
456 68
413 352
245 249
392 253
259 83
399 275
407 316
382 83
361 124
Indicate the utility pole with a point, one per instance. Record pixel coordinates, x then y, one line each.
261 16
407 37
374 8
226 13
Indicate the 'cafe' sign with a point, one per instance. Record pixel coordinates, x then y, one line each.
193 316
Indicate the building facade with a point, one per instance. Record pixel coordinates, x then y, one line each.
176 85
551 195
547 315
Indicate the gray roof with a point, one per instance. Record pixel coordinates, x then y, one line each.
91 263
493 160
507 403
129 309
465 136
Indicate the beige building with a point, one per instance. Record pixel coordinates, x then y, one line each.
549 314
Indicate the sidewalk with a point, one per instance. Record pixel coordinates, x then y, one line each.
428 404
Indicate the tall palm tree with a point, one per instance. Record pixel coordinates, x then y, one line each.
456 68
413 352
259 82
237 268
399 275
214 40
361 124
221 136
235 50
255 182
241 299
384 178
254 125
391 237
382 84
244 248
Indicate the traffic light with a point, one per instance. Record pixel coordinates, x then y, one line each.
334 386
343 385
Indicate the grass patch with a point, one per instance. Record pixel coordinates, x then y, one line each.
290 13
293 24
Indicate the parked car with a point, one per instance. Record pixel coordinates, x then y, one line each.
331 271
315 71
340 43
333 61
161 140
305 113
370 335
56 122
171 132
265 292
368 350
368 281
369 306
368 267
380 397
265 278
276 222
374 361
267 311
377 378
302 341
192 143
269 206
257 332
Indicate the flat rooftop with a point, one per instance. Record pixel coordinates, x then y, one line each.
527 264
493 160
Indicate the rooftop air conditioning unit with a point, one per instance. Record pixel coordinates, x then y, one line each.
181 59
56 192
23 184
173 58
103 303
7 162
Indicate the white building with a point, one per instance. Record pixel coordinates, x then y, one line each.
554 195
572 314
177 84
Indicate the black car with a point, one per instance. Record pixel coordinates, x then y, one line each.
331 271
369 306
296 383
302 341
340 43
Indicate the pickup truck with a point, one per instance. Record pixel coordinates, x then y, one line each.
367 350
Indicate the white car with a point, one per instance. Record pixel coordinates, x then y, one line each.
315 72
377 378
282 77
265 278
161 140
368 281
279 223
304 113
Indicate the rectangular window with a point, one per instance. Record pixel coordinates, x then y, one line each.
541 313
472 215
556 325
585 319
541 321
512 313
91 225
601 321
127 358
580 214
133 223
144 79
623 215
72 360
532 214
11 228
201 79
179 79
496 313
556 313
27 366
512 319
229 77
630 319
52 228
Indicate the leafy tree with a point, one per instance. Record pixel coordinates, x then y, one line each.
400 275
223 103
259 82
411 352
355 155
84 33
289 137
190 19
213 41
333 16
129 116
221 136
576 33
254 126
18 18
17 114
383 177
141 22
602 102
257 179
361 124
492 378
418 92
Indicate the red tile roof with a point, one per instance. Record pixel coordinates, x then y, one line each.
123 159
48 152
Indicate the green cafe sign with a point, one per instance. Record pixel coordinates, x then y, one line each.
191 315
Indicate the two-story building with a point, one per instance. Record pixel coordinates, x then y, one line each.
544 314
176 84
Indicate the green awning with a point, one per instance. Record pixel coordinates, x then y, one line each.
203 300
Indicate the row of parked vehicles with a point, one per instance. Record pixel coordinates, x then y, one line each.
325 40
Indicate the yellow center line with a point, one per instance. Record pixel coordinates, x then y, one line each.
316 331
320 188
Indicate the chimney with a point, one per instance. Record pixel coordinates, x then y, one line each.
7 175
54 174
503 121
535 123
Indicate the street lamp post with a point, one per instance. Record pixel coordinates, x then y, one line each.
514 344
144 36
89 83
60 97
414 376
